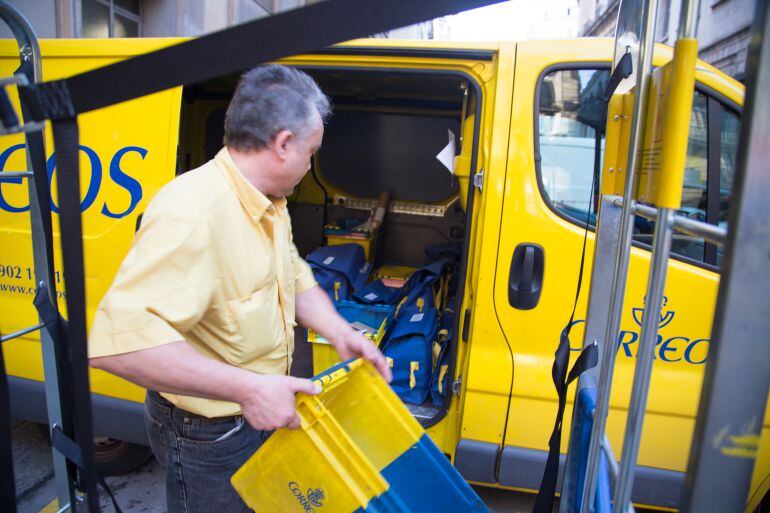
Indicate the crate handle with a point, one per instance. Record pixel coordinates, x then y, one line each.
331 374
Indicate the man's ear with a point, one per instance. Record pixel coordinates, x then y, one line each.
281 143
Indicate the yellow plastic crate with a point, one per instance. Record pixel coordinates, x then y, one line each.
358 450
368 243
400 273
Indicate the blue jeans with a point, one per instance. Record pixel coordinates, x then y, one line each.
199 455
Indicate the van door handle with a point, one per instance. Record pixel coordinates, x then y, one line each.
525 281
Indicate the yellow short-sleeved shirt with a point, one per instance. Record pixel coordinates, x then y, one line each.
214 264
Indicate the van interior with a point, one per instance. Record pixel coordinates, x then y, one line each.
384 135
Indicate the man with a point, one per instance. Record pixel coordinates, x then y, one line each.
202 310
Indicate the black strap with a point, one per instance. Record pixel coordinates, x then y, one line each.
74 453
67 447
7 487
589 356
8 116
294 32
65 134
69 338
58 329
622 71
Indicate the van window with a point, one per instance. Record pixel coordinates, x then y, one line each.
694 187
729 130
708 178
695 168
567 117
111 18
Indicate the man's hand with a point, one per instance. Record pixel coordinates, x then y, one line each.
352 344
316 311
270 403
267 401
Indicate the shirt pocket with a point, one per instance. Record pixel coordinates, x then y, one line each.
257 325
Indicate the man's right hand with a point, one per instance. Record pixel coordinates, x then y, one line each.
267 401
269 404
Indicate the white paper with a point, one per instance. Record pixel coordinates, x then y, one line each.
417 317
447 155
363 328
328 260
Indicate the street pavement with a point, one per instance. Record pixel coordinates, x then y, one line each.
143 491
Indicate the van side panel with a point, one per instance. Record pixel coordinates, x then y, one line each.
127 152
691 293
686 317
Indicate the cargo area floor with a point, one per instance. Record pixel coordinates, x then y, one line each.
423 412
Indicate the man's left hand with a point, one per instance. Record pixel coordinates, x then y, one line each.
352 344
315 310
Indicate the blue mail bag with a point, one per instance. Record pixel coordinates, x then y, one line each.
408 349
377 293
340 269
449 250
425 283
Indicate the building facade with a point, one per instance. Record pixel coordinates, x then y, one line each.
142 18
159 18
723 28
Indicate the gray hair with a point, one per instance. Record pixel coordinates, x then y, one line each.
270 99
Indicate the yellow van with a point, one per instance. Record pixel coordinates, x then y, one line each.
520 116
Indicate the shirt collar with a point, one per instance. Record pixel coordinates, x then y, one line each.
254 202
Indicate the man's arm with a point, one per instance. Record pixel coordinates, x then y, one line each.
315 310
267 401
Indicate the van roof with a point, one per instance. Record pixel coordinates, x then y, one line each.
132 46
128 47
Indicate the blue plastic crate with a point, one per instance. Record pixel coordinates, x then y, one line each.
358 450
377 317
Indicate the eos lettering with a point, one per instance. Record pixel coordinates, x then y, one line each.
116 174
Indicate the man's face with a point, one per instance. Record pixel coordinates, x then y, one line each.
299 151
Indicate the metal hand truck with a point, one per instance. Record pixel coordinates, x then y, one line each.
737 375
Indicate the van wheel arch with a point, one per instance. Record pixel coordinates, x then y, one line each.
116 457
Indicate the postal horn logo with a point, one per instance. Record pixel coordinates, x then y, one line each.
316 497
664 318
310 500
